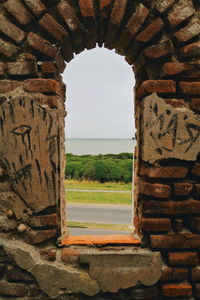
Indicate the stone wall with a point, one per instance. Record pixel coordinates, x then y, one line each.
160 40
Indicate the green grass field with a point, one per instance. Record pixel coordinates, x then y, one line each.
97 226
90 185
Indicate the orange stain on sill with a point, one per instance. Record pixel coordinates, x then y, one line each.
100 240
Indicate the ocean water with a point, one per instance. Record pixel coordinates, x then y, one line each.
99 146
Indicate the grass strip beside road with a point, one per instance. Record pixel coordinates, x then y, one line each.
94 185
98 198
97 226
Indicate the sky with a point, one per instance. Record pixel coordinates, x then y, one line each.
99 97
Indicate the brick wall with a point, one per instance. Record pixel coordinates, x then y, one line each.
160 41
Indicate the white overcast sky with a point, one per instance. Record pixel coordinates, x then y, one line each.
99 96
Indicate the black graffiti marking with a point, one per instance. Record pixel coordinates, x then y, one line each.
193 138
32 108
12 114
22 173
39 169
23 131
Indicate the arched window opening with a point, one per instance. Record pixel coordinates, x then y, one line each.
99 144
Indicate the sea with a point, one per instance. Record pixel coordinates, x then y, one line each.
99 146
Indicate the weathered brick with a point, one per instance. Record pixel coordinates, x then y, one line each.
48 67
171 207
189 31
53 101
175 241
13 289
52 27
196 273
163 5
14 274
60 63
183 188
68 15
43 221
7 86
114 23
175 274
153 224
197 290
104 11
155 189
164 172
158 50
42 86
41 45
181 11
189 87
48 254
131 28
36 6
2 69
196 169
195 103
183 259
11 30
7 49
173 68
178 225
18 10
194 224
21 68
148 33
69 255
158 86
191 50
144 293
37 237
176 290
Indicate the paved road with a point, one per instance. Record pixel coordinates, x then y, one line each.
104 213
98 191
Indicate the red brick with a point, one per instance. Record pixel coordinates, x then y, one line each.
164 172
150 31
104 12
173 68
178 241
48 67
188 32
144 293
195 103
155 189
14 274
60 63
7 49
171 207
197 290
177 290
7 86
158 86
41 45
183 188
42 221
2 69
114 23
16 8
131 28
36 6
175 274
196 169
181 11
68 15
183 259
191 50
11 30
158 50
153 224
13 289
53 28
69 255
48 254
21 68
194 224
42 86
37 237
163 5
196 274
189 87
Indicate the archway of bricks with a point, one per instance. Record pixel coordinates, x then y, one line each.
160 40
